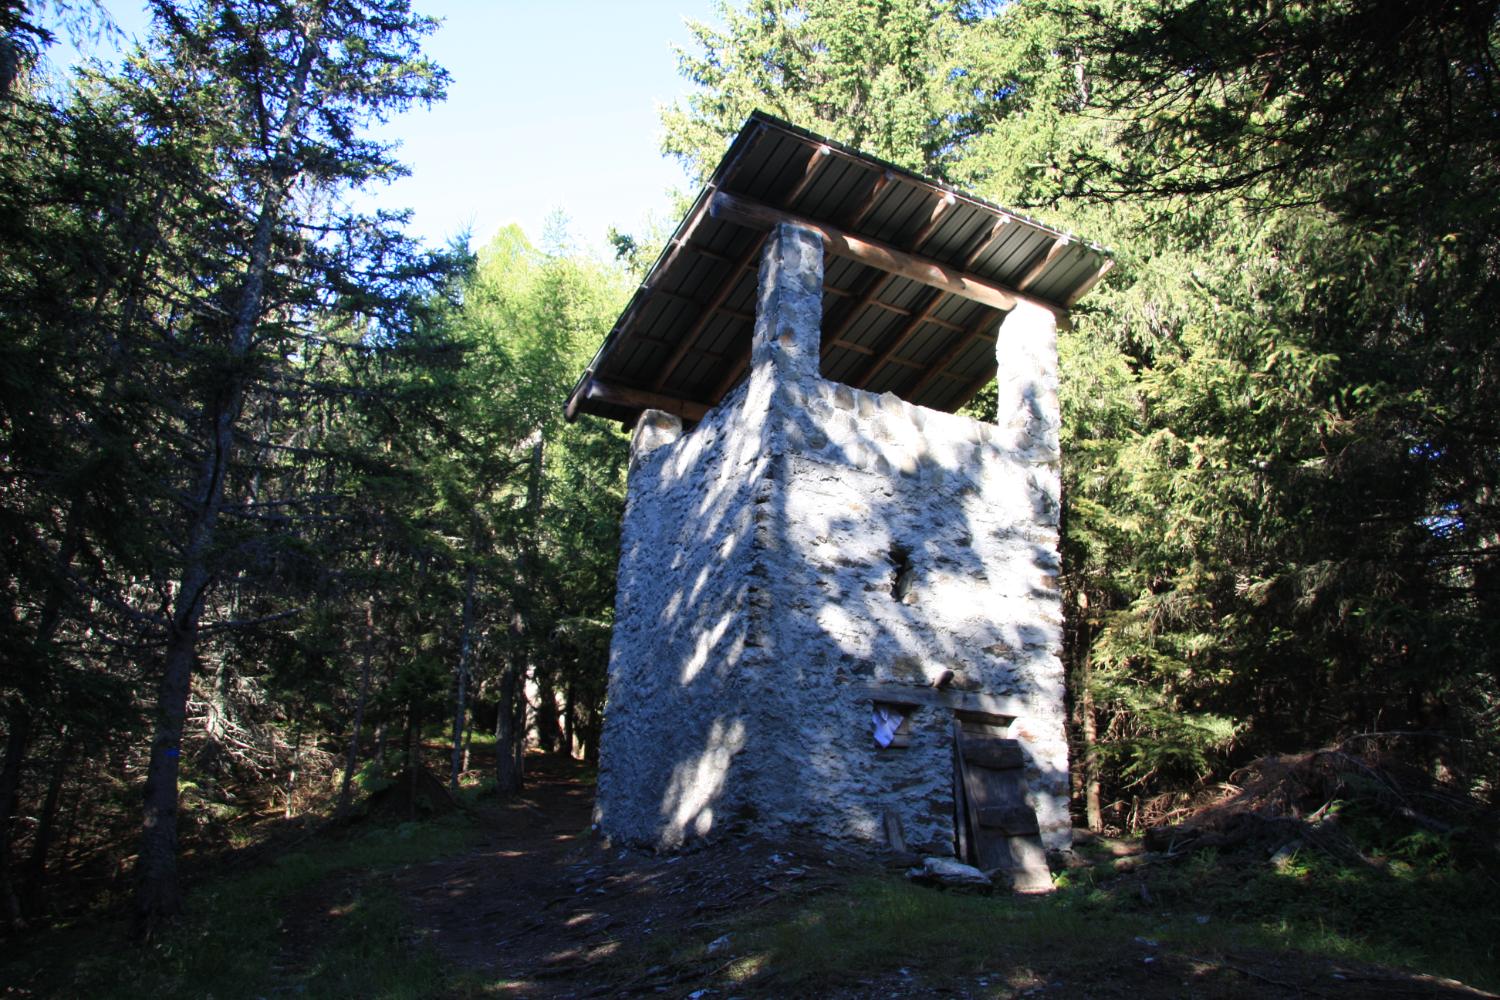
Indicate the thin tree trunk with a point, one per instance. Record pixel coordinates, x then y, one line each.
47 825
17 738
547 719
291 774
510 723
378 753
468 736
413 759
352 760
510 727
465 646
1092 806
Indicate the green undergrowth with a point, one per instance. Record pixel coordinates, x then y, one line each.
1431 920
316 922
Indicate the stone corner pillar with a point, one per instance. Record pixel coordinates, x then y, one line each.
789 305
1026 407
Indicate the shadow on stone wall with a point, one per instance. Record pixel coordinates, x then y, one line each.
805 545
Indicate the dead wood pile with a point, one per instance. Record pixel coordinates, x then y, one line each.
1307 797
414 793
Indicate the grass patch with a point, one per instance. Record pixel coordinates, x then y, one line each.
245 935
1436 921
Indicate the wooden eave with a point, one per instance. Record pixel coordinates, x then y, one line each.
917 276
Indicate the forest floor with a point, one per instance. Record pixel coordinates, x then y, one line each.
522 900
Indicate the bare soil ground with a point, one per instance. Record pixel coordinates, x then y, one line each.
544 908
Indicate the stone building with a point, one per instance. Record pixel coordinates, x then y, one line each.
837 607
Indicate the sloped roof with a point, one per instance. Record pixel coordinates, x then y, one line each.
917 276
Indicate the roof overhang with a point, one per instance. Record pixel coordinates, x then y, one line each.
917 276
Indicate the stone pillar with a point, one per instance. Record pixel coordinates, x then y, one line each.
789 305
1026 381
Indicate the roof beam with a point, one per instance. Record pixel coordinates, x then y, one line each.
636 399
915 267
996 231
679 243
831 337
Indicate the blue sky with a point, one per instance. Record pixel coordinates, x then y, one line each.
552 106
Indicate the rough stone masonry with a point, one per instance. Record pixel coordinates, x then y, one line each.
811 552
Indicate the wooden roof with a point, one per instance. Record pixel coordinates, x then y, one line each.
917 276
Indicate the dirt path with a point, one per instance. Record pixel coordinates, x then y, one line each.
544 909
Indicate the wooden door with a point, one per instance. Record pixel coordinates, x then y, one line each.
996 827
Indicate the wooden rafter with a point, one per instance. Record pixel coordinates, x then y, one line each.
939 366
899 341
1035 271
915 267
872 290
726 289
996 231
1093 280
868 202
939 212
815 163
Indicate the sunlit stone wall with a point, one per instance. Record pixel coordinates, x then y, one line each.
810 548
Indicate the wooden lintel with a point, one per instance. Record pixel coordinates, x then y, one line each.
915 267
1035 271
1082 289
958 701
642 399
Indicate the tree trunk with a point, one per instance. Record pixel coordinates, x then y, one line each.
158 894
291 773
1092 807
352 760
548 721
17 738
413 758
510 721
378 753
461 685
468 737
47 826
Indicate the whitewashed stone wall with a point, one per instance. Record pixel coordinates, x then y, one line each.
808 543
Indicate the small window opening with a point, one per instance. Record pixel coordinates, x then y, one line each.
892 724
901 574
